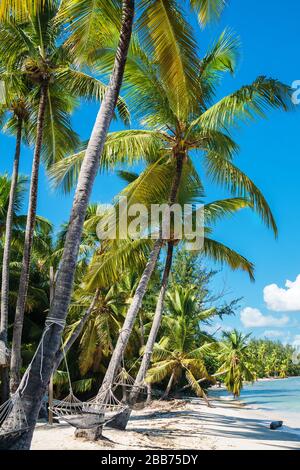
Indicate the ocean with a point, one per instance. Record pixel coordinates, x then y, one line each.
281 396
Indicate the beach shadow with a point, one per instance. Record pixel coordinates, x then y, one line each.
214 425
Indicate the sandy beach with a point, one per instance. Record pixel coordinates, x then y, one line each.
183 425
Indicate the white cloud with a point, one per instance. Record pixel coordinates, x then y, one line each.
273 334
283 299
252 317
296 342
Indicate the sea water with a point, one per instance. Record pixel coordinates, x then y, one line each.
279 395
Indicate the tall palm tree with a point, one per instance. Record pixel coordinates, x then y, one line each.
175 100
234 356
190 190
36 51
16 110
36 387
154 255
11 197
16 246
86 178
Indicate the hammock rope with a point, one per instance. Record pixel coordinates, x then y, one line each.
13 420
124 379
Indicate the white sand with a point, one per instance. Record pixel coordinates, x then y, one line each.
180 425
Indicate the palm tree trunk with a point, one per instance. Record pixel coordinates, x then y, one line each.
76 333
154 328
169 386
131 315
123 418
140 292
16 360
149 394
42 367
5 266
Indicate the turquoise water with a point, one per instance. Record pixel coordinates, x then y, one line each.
277 395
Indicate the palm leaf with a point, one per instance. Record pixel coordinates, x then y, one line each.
208 10
246 103
238 183
221 253
169 36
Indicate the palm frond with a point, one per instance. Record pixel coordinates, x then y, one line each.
120 147
19 9
221 253
170 38
239 184
208 10
216 210
85 86
247 103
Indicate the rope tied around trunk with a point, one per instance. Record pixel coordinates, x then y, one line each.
50 321
13 420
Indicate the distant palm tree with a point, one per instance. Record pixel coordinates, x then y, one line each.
178 353
235 361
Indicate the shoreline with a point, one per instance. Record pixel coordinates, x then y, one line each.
180 424
291 421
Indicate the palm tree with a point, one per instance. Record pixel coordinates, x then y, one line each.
176 102
189 190
235 361
36 52
17 240
180 351
87 176
32 398
15 109
179 113
11 197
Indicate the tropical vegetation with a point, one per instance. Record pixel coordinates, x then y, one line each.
145 307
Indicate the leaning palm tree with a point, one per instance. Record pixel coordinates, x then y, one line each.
176 102
235 361
86 178
65 277
36 52
149 188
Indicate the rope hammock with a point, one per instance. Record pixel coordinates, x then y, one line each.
124 379
13 420
87 414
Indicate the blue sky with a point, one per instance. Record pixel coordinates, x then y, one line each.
269 154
